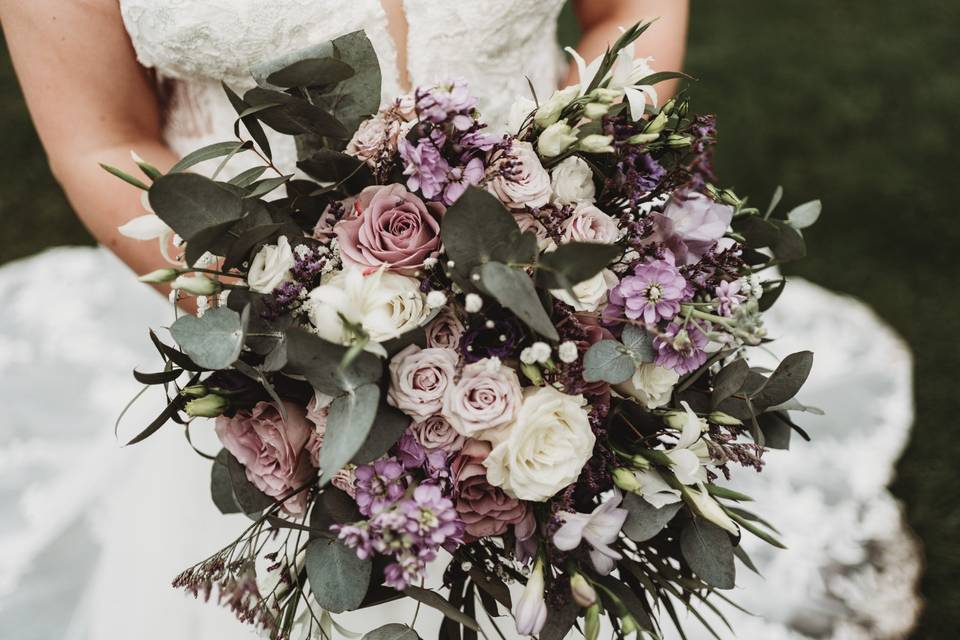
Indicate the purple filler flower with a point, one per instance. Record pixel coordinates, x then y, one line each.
681 349
426 169
728 297
462 177
432 521
653 293
379 485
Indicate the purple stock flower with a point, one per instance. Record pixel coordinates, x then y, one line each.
435 463
379 485
451 102
681 349
426 169
653 292
728 297
432 520
462 177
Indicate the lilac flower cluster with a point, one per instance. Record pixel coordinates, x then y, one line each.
407 521
308 267
446 151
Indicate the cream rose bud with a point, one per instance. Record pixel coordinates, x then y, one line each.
590 224
486 398
271 266
418 380
384 303
651 385
590 294
556 139
572 181
528 183
545 448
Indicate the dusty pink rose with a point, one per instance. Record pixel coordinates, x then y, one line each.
484 509
377 137
317 410
391 227
590 224
445 330
419 378
486 398
436 433
271 450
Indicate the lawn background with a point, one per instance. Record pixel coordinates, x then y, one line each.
852 102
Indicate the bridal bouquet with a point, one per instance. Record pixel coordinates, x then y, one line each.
520 357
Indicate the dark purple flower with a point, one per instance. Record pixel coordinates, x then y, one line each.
654 291
681 349
502 339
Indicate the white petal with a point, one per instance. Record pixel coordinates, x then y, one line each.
146 227
569 535
686 465
601 563
637 100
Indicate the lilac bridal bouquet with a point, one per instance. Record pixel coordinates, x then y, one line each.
520 358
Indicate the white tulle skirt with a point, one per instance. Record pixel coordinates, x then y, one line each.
92 534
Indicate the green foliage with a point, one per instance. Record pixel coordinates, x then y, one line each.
392 631
609 361
214 340
709 551
338 578
644 520
514 289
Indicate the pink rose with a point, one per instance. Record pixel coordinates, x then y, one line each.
522 182
391 227
445 330
419 378
317 410
436 433
528 222
271 450
590 224
484 509
486 397
376 138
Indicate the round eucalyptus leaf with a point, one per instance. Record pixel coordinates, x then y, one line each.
513 289
338 578
392 631
349 420
191 203
609 361
805 215
709 551
639 342
214 340
644 520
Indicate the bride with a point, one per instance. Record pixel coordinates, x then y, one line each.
95 534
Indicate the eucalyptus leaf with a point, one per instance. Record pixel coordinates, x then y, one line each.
559 621
790 244
311 72
776 431
191 204
608 361
221 487
209 152
729 381
331 507
438 602
639 342
294 116
757 231
249 498
245 178
389 425
805 215
213 341
708 551
263 187
785 381
573 263
514 289
356 97
338 578
319 362
123 175
349 421
250 122
241 248
344 171
774 201
476 229
644 520
392 631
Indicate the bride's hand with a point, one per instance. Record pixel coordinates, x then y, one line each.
91 103
601 21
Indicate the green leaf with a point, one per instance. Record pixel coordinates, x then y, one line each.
192 204
574 262
771 293
559 621
805 215
514 289
729 381
709 551
663 76
438 602
327 165
609 361
242 247
221 487
209 152
319 362
250 122
776 431
338 578
349 421
392 631
774 201
785 381
331 507
311 72
358 96
265 186
389 425
294 116
213 341
250 499
757 231
644 520
245 178
123 175
745 559
790 244
639 342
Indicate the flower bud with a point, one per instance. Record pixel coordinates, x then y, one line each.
549 111
530 612
677 141
596 143
159 276
719 417
729 197
194 391
582 591
626 480
643 138
596 110
657 124
532 372
668 108
209 406
628 625
196 285
702 504
555 139
608 96
591 624
675 419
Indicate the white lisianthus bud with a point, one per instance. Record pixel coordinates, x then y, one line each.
657 124
677 141
568 352
158 276
582 591
271 266
526 356
643 138
549 111
146 227
706 507
572 181
626 480
726 420
196 285
541 351
209 406
596 143
436 299
556 139
530 612
608 96
596 110
591 624
472 303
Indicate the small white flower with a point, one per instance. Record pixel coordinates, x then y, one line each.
596 143
556 139
430 263
568 352
540 351
599 529
271 266
492 364
473 303
436 299
526 356
196 285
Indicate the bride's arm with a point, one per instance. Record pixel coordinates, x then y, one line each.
91 102
666 40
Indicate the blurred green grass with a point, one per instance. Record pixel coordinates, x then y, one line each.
850 102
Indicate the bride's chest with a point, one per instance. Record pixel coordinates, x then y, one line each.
222 38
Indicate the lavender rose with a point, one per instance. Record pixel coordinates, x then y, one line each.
590 224
521 181
485 510
436 433
271 450
486 397
391 227
691 225
419 378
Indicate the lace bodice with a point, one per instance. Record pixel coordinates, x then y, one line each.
492 44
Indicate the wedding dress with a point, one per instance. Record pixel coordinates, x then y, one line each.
91 535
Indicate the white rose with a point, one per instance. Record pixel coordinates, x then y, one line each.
528 183
549 111
590 224
527 222
384 303
572 181
650 385
590 294
271 266
519 111
545 448
556 139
